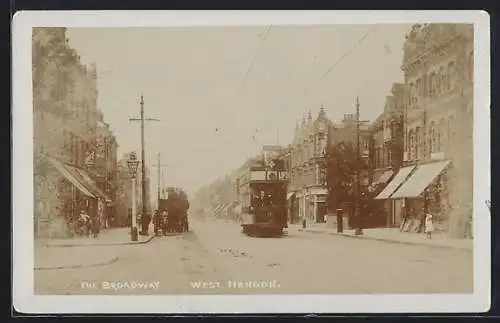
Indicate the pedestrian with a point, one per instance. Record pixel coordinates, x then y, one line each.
237 211
156 221
146 220
164 222
138 222
95 223
84 223
429 226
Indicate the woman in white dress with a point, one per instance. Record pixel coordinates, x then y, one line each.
429 226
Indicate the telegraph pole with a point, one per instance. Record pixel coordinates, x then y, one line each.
142 119
359 227
159 167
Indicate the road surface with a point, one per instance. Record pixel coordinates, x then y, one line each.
215 258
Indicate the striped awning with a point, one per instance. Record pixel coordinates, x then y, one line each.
420 179
396 182
63 169
90 183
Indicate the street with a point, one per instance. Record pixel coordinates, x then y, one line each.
216 258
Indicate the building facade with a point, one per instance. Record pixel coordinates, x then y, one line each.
386 153
438 68
307 190
65 131
345 132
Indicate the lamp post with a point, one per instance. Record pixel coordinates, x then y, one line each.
132 164
357 214
143 119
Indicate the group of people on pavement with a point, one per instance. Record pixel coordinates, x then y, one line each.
88 225
145 221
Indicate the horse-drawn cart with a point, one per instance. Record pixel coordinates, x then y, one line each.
173 212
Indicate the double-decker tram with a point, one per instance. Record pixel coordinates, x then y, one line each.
262 194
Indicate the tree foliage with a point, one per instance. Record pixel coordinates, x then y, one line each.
342 164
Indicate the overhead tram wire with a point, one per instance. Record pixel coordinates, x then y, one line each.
255 134
327 72
243 82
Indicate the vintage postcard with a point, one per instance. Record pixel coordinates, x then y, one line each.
246 162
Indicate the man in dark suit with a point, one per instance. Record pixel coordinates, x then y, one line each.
259 205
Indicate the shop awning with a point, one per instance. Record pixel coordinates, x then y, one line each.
384 177
63 169
395 183
421 178
289 195
89 182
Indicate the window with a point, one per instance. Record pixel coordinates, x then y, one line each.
420 88
451 76
433 84
411 95
433 138
470 68
442 79
411 145
451 133
440 130
417 143
71 147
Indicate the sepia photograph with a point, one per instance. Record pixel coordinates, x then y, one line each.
275 157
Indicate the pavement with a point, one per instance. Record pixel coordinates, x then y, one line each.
115 236
392 235
81 252
216 258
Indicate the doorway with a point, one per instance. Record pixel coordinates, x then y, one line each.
321 211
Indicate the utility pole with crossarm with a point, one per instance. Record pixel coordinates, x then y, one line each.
142 119
159 166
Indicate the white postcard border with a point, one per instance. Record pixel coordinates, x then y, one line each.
24 299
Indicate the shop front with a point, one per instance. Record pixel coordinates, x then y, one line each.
423 192
378 208
312 204
392 207
78 198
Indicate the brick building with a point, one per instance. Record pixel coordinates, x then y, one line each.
386 153
105 170
65 131
437 176
345 132
307 191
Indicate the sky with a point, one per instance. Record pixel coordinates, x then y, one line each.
222 92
